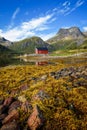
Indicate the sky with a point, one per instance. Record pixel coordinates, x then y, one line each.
21 19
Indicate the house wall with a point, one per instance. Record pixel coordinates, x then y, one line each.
41 51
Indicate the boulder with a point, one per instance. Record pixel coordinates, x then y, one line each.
36 119
14 105
10 126
12 116
2 116
8 101
26 106
41 95
24 87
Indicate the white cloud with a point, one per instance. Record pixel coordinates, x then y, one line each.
13 18
27 28
85 28
15 13
77 4
66 3
47 36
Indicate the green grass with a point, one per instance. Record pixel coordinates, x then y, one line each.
68 52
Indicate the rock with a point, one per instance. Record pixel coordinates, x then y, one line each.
26 107
24 87
52 73
14 92
10 126
44 77
36 119
41 95
56 76
12 116
8 101
14 105
2 116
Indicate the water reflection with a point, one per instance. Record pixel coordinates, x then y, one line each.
38 62
35 62
41 62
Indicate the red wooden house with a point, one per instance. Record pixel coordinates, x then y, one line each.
41 50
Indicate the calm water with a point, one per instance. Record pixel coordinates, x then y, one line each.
8 61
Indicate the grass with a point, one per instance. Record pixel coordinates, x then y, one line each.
68 52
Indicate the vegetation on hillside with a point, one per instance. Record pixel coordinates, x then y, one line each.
28 45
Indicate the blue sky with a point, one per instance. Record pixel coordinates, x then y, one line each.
25 18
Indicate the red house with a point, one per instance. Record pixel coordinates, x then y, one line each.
41 50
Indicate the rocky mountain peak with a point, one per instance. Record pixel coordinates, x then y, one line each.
5 42
71 33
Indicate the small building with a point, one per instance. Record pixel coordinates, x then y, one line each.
41 50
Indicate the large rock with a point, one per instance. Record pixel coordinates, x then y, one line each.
26 106
36 119
23 87
2 116
10 126
14 105
8 101
12 116
41 95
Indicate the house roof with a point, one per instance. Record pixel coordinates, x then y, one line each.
42 48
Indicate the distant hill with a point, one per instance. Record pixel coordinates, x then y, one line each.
71 38
28 45
5 42
4 50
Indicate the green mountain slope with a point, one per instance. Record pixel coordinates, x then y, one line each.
28 45
4 50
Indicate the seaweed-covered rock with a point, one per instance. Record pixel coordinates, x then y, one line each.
12 116
26 106
14 105
41 95
36 119
8 101
10 126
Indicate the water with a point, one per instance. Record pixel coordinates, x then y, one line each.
25 61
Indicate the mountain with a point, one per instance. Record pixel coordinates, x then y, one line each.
85 33
72 33
5 42
70 38
4 50
28 45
